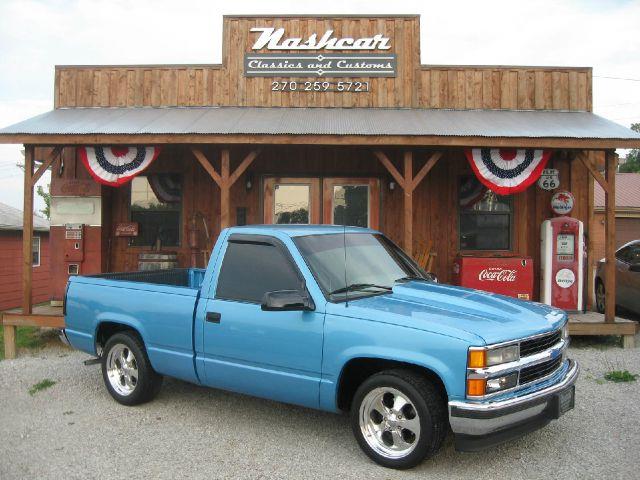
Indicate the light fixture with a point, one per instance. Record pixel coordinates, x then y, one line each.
249 182
392 186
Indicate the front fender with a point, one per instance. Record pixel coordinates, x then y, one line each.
347 339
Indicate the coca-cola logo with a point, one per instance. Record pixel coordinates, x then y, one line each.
497 274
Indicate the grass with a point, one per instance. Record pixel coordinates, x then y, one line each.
41 385
619 376
26 337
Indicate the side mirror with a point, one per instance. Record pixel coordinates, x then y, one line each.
635 267
286 301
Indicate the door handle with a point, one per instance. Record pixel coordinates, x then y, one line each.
213 317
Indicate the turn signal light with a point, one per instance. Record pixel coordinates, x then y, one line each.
477 358
476 387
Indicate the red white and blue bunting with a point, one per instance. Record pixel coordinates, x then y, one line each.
117 165
507 170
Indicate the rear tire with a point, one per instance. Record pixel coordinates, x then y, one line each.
600 296
398 418
127 372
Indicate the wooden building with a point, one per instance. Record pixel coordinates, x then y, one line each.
294 126
11 258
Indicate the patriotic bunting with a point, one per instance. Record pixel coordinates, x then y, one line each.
116 166
505 170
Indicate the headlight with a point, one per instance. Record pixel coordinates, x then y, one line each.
487 357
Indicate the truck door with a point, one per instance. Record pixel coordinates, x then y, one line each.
275 355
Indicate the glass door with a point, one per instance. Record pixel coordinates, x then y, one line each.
291 200
351 201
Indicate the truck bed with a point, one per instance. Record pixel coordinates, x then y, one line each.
177 277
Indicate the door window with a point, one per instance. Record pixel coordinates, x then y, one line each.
291 204
251 269
351 205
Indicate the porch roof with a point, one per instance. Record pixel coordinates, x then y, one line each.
328 125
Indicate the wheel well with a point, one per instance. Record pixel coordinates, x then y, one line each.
107 329
358 370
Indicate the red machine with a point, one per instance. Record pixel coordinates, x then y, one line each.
509 275
562 276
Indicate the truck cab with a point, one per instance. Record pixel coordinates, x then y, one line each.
338 319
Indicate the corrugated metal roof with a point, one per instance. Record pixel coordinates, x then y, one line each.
11 219
627 191
322 121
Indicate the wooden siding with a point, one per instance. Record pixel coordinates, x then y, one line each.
416 85
11 270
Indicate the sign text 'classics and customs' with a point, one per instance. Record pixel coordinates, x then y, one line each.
307 62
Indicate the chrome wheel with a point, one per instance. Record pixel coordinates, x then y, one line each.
600 296
122 369
389 422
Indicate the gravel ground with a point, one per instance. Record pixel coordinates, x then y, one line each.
75 430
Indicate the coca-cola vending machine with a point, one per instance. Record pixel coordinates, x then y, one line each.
507 275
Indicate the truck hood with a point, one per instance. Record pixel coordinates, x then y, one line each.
457 311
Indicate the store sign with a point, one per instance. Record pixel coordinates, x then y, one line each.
304 63
549 179
562 202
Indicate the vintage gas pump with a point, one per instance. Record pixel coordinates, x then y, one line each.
73 247
562 259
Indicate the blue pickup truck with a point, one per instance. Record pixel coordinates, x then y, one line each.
338 319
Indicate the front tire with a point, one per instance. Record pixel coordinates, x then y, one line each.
127 372
398 418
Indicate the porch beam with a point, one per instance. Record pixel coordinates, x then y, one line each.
246 162
207 165
586 161
426 168
390 167
611 162
408 202
225 191
46 164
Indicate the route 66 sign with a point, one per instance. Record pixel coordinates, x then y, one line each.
550 179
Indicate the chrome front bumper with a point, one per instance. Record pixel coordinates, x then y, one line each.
481 425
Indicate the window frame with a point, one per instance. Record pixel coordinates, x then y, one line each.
512 223
33 240
181 212
259 240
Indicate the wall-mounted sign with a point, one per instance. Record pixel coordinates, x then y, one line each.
318 64
126 229
549 179
562 202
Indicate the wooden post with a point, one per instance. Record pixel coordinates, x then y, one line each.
408 202
225 189
610 237
225 179
408 183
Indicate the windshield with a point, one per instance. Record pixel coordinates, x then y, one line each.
373 262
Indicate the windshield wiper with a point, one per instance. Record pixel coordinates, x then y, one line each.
409 278
358 286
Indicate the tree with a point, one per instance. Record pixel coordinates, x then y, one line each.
633 157
46 198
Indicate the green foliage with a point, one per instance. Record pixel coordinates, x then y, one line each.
46 197
26 337
632 164
619 376
41 385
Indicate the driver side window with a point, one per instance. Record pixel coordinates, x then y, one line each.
250 269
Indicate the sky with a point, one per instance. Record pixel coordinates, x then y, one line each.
35 35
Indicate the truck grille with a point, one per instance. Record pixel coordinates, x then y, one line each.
535 372
539 344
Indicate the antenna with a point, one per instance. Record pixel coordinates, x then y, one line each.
344 245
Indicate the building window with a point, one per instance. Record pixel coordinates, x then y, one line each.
486 218
35 252
156 204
